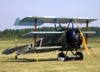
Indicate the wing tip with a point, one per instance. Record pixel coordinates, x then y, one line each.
17 22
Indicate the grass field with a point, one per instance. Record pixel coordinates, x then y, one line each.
47 61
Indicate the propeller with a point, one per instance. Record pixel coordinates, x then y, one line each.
82 37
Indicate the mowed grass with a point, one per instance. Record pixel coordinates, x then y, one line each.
47 62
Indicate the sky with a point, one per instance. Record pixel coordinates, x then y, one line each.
12 9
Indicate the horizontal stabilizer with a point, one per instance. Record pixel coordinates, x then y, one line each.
8 51
11 50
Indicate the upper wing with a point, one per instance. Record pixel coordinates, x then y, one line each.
30 21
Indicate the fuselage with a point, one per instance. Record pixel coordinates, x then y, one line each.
70 38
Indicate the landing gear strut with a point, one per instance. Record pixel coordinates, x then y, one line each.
77 55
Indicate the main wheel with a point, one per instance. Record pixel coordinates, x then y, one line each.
79 56
61 56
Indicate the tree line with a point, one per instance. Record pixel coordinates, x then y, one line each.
18 33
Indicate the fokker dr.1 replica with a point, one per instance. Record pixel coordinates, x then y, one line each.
67 38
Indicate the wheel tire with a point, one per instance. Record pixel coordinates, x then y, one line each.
61 57
79 56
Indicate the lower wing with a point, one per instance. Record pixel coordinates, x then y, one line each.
45 49
30 49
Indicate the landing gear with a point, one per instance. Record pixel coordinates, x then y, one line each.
61 56
76 55
79 56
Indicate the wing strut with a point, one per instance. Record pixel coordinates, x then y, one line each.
55 21
35 29
35 36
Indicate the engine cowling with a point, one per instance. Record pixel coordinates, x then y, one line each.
73 38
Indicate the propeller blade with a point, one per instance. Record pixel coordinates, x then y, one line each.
85 45
83 39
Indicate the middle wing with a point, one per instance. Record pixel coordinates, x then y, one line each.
88 32
42 34
47 33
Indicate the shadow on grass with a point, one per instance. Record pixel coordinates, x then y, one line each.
34 60
29 60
